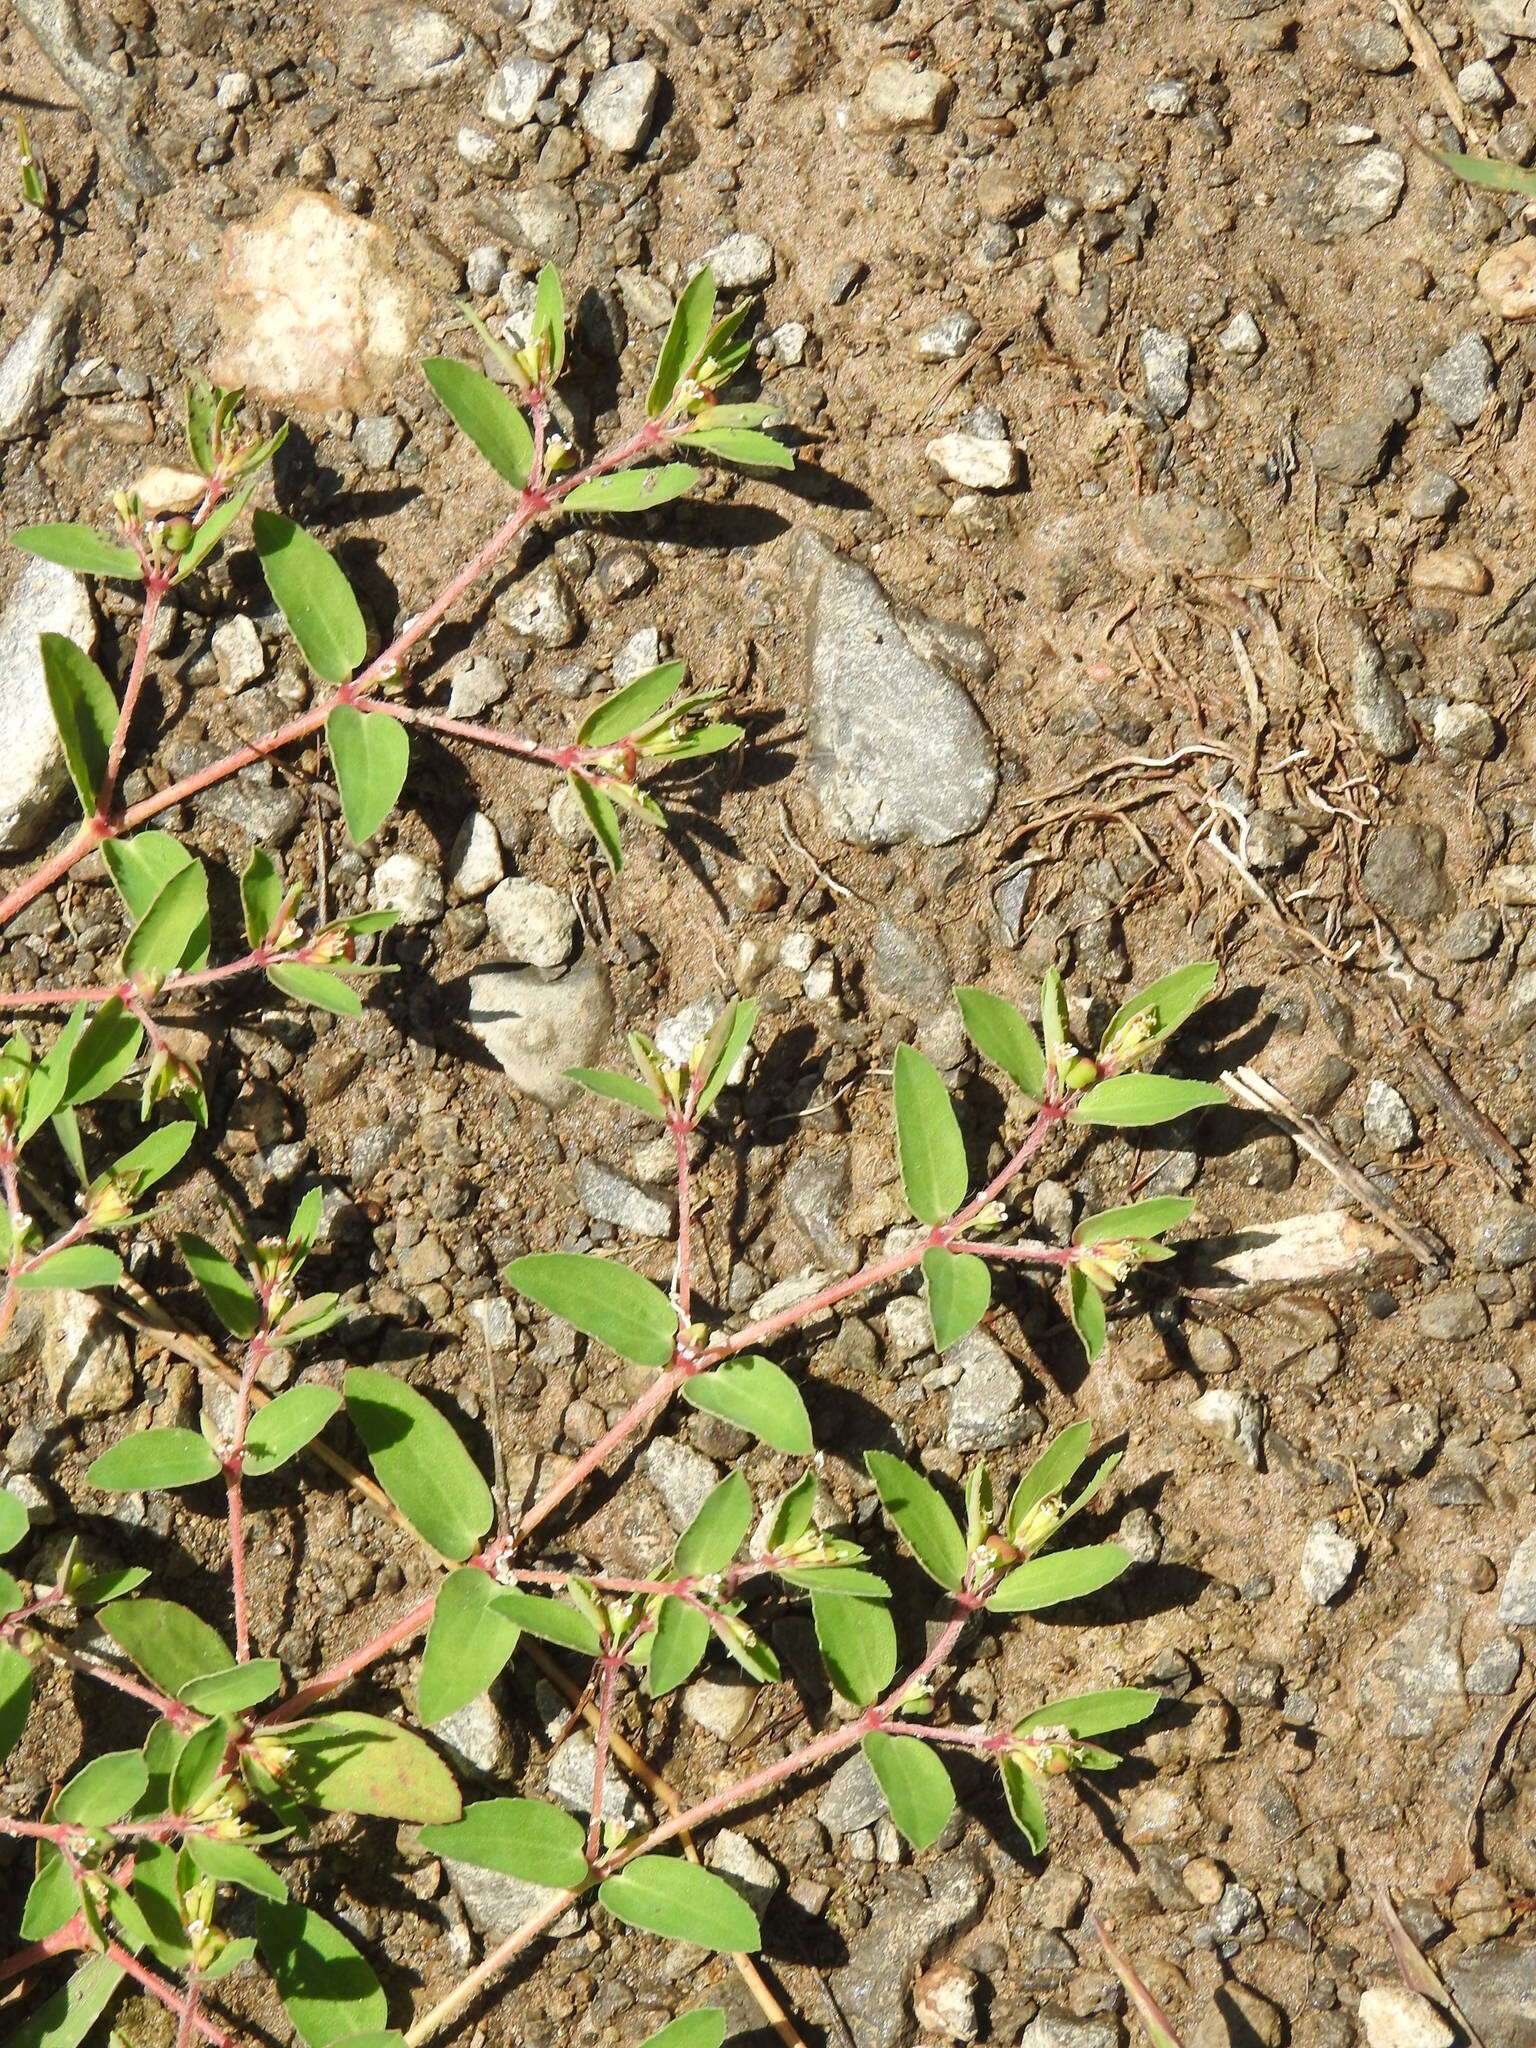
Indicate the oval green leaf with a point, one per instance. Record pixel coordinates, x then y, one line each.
284 1426
918 1510
469 1642
313 596
371 753
168 1642
523 1838
1066 1575
916 1785
959 1293
419 1461
857 1640
603 1300
928 1140
357 1763
758 1396
665 1895
632 490
153 1458
1129 1101
327 1989
1003 1035
483 411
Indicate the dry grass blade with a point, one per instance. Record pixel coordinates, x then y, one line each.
1160 2029
1417 1971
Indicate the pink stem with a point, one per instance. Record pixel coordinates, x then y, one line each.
155 587
167 1994
234 1485
607 1691
1031 1254
72 1935
168 1709
650 1404
682 1131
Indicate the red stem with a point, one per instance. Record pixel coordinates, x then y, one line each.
168 1709
155 587
167 1994
234 1484
606 1694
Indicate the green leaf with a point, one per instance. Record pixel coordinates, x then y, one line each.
80 548
1055 1024
717 1531
11 1595
283 1427
916 1785
107 1787
80 1266
313 596
153 1157
236 1690
230 1295
199 1765
603 1300
174 926
49 1078
261 895
738 444
524 1838
1094 1713
84 710
603 817
857 1640
213 529
52 1898
102 1054
1486 171
552 1621
234 1863
548 323
1135 1220
1052 1472
723 1050
621 714
1162 1007
68 2017
327 1989
357 1763
1022 1791
1088 1318
1067 1575
791 1516
469 1642
617 1088
1003 1035
154 1458
677 1648
370 752
97 1588
14 1521
756 1395
928 1140
317 985
141 867
959 1293
1127 1101
419 1461
665 1895
632 490
483 411
15 1697
170 1645
693 319
702 2029
917 1508
850 1581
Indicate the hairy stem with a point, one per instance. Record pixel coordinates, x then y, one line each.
155 587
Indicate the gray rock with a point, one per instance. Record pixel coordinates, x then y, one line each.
1373 46
1404 873
42 599
610 1197
32 368
543 219
1514 630
540 608
1461 381
497 1905
899 95
552 26
1495 1985
1493 1671
852 1799
1434 495
1165 366
683 1477
1329 1560
620 105
1480 85
1242 337
909 968
1169 526
1234 1417
378 439
874 1986
1465 733
86 1361
1169 97
1508 1238
1332 200
479 1738
745 1868
1517 1597
897 750
1471 934
476 682
1377 708
475 864
400 48
987 1406
238 651
1387 1118
409 887
572 1779
1054 2028
1453 1316
1418 1672
816 1190
534 925
535 1028
948 338
1404 1438
1351 450
741 263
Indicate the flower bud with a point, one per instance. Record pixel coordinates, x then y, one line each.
1080 1072
177 535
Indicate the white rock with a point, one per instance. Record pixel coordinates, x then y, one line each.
534 924
1328 1249
408 885
476 682
540 608
908 1331
397 47
640 653
1233 1417
682 1476
86 1361
43 599
1329 1559
235 89
740 263
1517 1596
720 1706
987 1406
313 306
977 461
899 94
744 1867
476 147
1392 2016
475 864
33 366
1480 85
1241 337
1387 1118
948 338
789 342
515 90
535 1028
945 2002
1165 366
1507 279
620 105
239 653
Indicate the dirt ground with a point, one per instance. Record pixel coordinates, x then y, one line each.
1257 633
